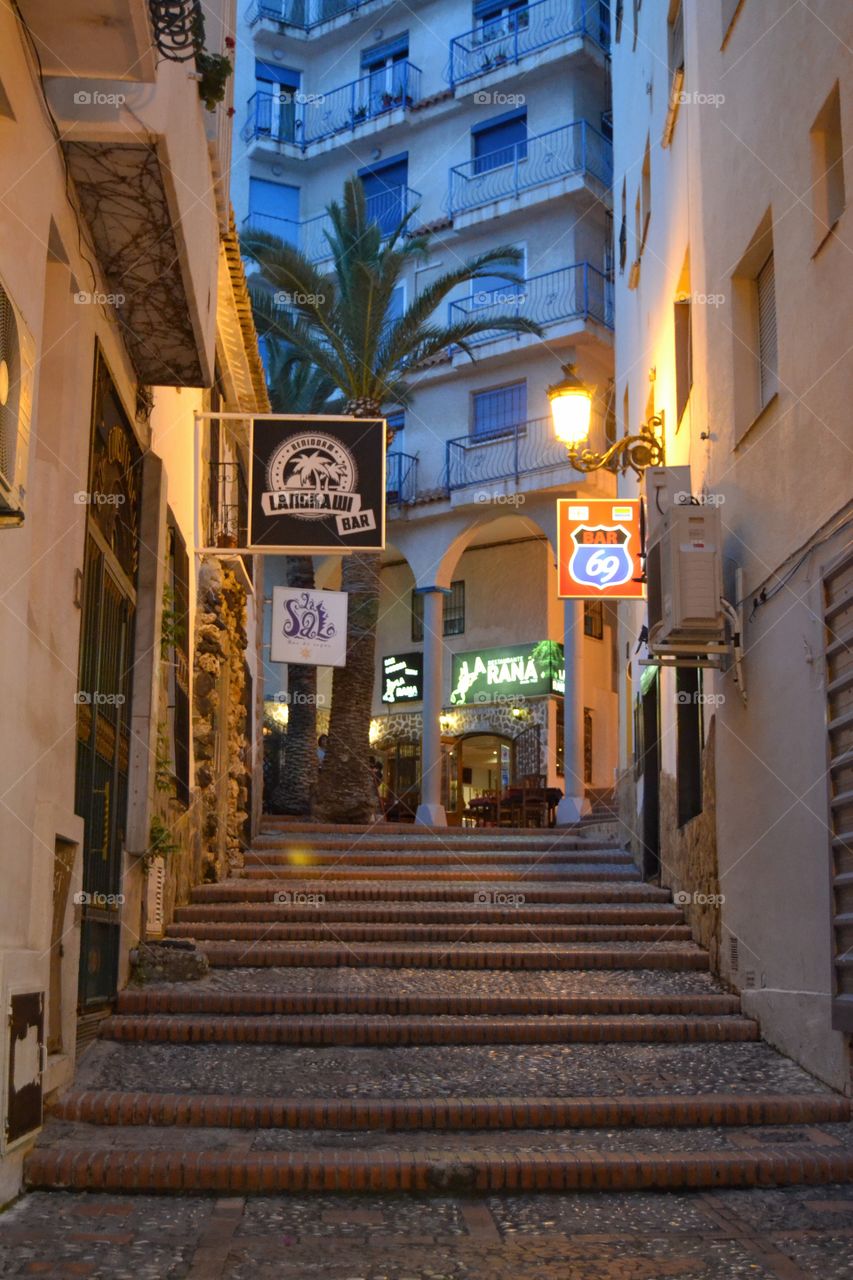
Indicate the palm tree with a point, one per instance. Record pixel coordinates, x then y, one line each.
295 386
342 322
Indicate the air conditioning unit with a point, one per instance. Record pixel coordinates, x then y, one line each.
685 579
17 371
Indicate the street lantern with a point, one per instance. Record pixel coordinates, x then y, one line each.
571 411
571 408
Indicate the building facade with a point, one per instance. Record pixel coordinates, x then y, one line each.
732 313
492 123
124 313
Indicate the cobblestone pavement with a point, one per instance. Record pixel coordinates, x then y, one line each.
786 1234
454 1070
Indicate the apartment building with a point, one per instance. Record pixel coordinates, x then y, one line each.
492 123
123 312
733 309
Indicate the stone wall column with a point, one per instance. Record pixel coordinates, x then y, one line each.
431 810
574 803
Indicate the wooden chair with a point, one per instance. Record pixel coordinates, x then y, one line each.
534 800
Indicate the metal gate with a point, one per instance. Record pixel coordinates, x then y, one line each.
104 687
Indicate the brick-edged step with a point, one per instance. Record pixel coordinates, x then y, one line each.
244 891
262 1003
403 1030
109 1107
346 931
510 874
380 838
262 856
428 913
175 1169
453 956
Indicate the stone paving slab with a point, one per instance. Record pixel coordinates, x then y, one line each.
566 982
788 1234
445 1071
515 1142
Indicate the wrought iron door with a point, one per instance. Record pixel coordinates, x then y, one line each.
103 717
104 687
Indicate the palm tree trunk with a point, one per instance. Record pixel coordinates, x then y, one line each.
345 788
298 781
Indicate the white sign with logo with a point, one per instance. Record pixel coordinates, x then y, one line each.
309 627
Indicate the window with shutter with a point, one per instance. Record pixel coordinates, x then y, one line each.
498 410
768 356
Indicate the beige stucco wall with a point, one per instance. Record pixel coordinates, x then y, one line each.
741 147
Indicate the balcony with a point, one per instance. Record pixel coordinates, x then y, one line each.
139 160
401 478
305 15
305 118
78 39
496 44
505 454
579 292
387 208
572 150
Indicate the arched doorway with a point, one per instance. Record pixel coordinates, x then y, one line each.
476 764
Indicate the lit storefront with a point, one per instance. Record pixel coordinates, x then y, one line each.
501 723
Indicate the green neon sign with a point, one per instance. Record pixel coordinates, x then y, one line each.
520 670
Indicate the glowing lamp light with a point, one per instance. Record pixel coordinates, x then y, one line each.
571 408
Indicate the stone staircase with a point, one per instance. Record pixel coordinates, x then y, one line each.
405 1010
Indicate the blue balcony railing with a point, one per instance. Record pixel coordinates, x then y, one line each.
304 14
387 208
401 478
504 454
578 292
499 41
560 153
303 118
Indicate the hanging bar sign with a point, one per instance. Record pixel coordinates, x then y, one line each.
317 484
598 549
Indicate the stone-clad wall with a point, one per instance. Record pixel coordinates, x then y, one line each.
219 718
689 854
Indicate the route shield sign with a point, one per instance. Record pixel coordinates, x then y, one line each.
598 548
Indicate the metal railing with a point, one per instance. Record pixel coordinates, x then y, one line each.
504 454
305 14
494 43
559 153
177 28
401 478
387 208
303 118
580 291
